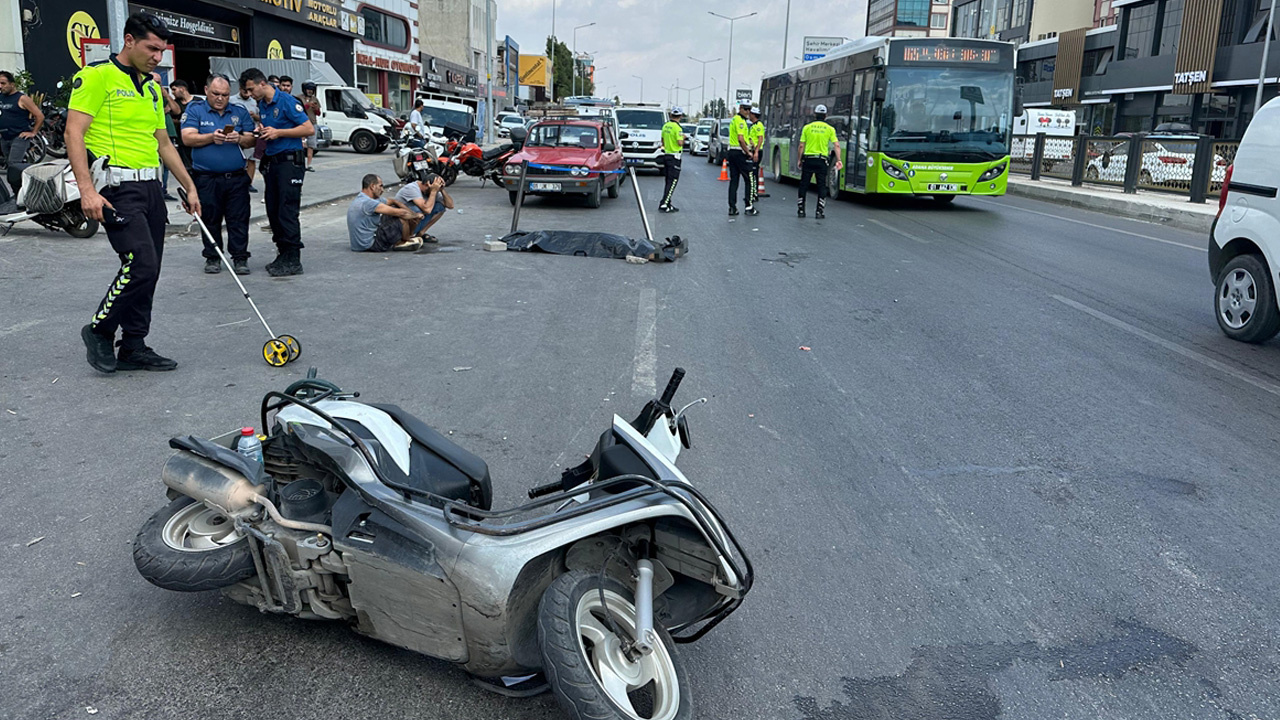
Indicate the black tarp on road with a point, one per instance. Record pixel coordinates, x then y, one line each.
594 244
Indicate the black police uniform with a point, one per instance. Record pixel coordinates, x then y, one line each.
284 166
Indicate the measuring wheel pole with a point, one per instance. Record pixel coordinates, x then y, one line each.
631 169
515 216
231 270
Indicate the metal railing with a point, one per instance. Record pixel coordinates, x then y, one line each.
1190 166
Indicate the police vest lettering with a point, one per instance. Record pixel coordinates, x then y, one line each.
1190 77
1063 93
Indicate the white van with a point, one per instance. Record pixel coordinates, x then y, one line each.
1244 255
1059 127
353 119
640 128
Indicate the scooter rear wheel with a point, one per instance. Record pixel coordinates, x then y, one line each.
583 660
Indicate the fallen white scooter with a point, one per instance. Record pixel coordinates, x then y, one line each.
50 197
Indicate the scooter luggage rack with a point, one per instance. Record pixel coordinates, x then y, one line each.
454 510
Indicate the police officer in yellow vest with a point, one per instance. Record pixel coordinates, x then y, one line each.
755 133
817 143
116 110
740 154
672 146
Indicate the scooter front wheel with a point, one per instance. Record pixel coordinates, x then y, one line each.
189 547
583 655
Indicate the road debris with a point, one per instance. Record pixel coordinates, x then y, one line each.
76 595
805 348
462 368
33 541
91 710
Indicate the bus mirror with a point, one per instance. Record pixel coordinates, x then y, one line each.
1018 109
882 89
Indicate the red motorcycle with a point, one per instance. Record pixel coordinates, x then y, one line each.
462 154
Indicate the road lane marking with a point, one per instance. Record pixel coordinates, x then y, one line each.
1172 347
1099 227
893 229
644 382
26 325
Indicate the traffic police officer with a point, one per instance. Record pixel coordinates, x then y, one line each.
217 132
116 110
740 161
817 142
755 134
672 145
284 125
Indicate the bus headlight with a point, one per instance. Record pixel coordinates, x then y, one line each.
892 170
992 174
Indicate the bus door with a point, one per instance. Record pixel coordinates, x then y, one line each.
859 131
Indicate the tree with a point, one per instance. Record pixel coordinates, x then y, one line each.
562 72
714 109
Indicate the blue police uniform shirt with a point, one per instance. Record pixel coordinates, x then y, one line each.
227 157
283 112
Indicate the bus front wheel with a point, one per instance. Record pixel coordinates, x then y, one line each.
776 166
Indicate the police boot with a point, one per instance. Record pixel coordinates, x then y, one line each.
800 208
288 262
820 213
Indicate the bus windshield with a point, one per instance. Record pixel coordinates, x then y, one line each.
944 113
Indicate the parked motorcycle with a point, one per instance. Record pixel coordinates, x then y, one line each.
50 197
362 513
51 133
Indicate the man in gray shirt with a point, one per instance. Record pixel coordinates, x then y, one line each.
430 198
376 225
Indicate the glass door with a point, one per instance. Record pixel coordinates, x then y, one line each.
859 131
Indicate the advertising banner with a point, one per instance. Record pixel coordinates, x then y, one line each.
535 71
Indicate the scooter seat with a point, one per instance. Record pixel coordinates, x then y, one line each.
439 466
492 153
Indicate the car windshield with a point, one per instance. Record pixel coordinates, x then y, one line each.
724 130
513 120
942 113
689 128
563 136
640 119
351 97
439 117
703 130
1186 147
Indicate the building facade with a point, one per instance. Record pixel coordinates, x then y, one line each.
388 66
444 30
909 18
994 19
1171 63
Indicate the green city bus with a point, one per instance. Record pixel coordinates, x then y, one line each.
927 116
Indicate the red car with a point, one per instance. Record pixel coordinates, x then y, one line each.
583 151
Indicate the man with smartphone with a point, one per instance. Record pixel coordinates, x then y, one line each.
217 132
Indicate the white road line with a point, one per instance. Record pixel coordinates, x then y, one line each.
644 382
893 229
1099 227
20 327
1173 347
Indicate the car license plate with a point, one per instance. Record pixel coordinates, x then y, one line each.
944 187
420 165
634 161
544 186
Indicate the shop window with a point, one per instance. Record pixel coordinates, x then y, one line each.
1257 31
1170 27
1140 30
938 20
386 30
1095 62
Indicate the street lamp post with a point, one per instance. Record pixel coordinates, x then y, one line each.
574 83
1266 53
786 30
641 86
704 76
728 80
551 56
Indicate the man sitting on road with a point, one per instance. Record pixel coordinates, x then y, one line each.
371 233
428 197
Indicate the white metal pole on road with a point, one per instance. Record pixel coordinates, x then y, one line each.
1266 52
488 53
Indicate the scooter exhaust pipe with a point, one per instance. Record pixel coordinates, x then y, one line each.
209 482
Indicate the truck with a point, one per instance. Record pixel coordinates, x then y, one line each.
1059 128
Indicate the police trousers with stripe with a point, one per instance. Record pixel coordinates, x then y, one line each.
814 167
135 226
671 171
740 169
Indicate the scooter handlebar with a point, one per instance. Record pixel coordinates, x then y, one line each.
672 385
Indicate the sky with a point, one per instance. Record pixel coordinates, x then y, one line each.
654 39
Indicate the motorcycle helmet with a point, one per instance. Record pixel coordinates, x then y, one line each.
308 86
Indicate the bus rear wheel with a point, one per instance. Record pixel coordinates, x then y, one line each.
776 165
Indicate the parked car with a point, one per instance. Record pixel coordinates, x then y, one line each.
1244 248
1170 161
718 148
586 148
507 122
701 140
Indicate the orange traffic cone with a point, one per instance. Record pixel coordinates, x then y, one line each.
760 191
724 171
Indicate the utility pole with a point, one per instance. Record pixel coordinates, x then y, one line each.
786 30
551 59
728 80
641 86
576 59
704 76
1266 52
488 58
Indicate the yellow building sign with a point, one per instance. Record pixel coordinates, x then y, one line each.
80 26
535 70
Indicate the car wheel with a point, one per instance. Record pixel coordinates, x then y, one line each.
613 189
593 197
1144 178
1245 301
364 142
1091 173
514 195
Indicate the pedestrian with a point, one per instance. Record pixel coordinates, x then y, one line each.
368 232
117 110
415 131
672 149
216 132
244 99
740 161
284 124
425 195
274 81
311 106
171 120
755 133
817 143
286 84
20 121
181 92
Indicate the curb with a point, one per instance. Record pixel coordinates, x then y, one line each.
1189 220
304 206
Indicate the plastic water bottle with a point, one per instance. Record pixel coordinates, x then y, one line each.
249 446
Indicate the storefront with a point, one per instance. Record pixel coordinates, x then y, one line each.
444 80
301 29
386 54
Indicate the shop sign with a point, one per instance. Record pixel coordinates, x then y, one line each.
297 53
382 63
315 13
534 71
193 26
1064 93
449 78
1069 66
81 25
274 50
317 55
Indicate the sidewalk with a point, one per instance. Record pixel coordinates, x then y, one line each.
337 175
1160 208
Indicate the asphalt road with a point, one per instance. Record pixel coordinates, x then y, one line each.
993 460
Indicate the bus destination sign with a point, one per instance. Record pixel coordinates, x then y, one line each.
920 53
